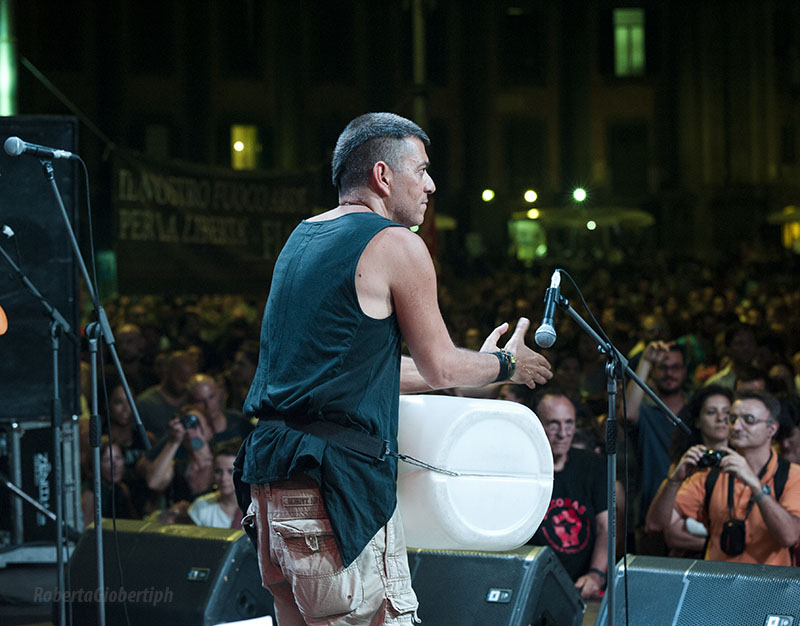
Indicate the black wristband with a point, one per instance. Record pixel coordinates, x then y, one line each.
508 363
599 572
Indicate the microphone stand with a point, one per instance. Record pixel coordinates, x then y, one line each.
71 533
100 329
58 325
616 365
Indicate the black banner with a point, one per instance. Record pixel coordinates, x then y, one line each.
183 228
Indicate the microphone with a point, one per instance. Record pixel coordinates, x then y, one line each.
6 230
14 146
545 335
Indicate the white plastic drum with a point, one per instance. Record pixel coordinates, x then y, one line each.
505 473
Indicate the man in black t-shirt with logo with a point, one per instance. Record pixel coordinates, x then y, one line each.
576 523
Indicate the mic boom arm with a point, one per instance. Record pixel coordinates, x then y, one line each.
564 305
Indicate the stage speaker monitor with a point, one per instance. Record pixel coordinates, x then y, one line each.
524 587
687 592
40 246
172 574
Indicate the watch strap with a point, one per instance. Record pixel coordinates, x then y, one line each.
765 491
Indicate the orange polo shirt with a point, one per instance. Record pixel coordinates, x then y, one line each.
760 546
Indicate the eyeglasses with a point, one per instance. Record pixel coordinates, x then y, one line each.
555 427
670 368
747 418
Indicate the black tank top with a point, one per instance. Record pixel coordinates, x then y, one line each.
323 358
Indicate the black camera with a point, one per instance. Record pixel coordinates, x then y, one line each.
711 458
189 421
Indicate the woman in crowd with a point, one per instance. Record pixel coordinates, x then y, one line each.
115 497
706 415
123 431
219 508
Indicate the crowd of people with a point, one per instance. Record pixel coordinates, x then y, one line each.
703 337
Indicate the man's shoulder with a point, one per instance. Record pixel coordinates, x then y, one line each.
205 501
793 477
400 253
150 395
695 485
581 460
725 377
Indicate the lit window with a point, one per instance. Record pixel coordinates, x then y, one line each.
244 147
629 42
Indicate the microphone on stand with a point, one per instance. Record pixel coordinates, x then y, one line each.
545 335
14 146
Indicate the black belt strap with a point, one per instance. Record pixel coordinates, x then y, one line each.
357 440
362 442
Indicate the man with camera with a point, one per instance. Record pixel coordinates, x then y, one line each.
747 497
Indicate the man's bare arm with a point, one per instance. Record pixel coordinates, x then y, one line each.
412 281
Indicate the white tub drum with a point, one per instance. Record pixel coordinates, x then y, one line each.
504 467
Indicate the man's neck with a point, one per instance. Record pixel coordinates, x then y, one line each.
756 457
559 462
169 396
219 422
673 399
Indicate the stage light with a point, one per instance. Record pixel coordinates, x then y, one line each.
530 196
579 194
591 225
487 195
238 146
534 214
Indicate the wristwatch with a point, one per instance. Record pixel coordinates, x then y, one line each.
765 491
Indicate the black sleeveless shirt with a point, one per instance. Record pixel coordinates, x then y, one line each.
322 358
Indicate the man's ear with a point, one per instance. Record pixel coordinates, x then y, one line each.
381 178
774 426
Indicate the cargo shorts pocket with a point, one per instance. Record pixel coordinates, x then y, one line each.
405 604
310 560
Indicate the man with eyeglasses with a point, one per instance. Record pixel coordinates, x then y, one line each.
750 525
576 523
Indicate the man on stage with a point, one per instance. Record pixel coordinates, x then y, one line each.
349 286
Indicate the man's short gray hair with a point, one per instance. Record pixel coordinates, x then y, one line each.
370 138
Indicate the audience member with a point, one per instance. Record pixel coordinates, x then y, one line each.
788 436
240 374
706 415
654 430
180 465
225 424
576 523
219 508
115 497
740 346
130 350
125 433
158 404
